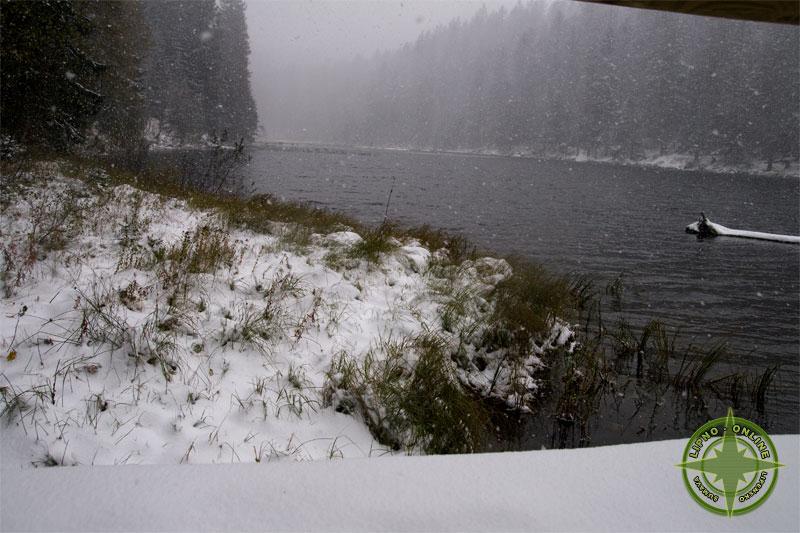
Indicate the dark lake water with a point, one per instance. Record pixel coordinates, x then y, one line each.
599 219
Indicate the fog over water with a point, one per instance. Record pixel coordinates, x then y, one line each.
528 78
550 81
305 33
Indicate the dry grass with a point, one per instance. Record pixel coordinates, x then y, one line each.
525 307
406 389
374 243
409 396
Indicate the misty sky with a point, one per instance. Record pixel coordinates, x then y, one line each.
303 32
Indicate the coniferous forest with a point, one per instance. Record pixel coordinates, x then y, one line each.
115 76
480 235
556 77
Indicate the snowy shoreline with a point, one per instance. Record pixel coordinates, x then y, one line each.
673 161
136 329
156 349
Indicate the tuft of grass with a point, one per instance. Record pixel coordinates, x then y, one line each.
373 244
256 327
295 237
410 397
456 307
293 394
203 251
696 365
577 396
133 225
15 401
526 304
337 258
104 322
444 418
759 390
458 248
54 219
133 295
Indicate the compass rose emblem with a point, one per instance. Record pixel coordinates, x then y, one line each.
730 465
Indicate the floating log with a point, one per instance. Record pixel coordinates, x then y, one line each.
704 228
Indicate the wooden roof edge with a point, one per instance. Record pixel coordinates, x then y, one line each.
776 11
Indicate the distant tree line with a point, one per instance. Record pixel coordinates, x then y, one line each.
102 74
558 77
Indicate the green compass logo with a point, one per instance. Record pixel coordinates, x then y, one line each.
730 465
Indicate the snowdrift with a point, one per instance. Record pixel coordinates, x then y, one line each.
615 488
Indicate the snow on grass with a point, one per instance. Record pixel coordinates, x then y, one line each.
138 330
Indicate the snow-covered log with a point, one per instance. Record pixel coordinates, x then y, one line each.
718 230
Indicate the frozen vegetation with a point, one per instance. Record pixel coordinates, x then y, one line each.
137 328
152 317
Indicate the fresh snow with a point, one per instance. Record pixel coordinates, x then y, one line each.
219 399
615 488
128 425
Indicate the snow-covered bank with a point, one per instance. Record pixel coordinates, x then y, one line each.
675 161
652 159
138 330
705 163
615 488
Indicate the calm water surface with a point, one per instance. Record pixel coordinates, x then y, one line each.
598 219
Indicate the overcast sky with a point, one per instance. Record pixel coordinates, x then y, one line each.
313 31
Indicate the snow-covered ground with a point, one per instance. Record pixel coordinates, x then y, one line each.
136 330
615 488
143 339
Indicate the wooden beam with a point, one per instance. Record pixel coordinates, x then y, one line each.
778 11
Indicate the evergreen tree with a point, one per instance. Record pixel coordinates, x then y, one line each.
49 77
179 65
235 109
119 41
197 74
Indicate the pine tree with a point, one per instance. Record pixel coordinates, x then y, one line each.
198 82
178 66
235 110
48 76
119 41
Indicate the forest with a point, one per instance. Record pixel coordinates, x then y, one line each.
118 76
538 79
553 78
189 307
